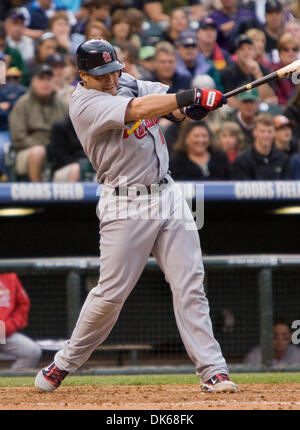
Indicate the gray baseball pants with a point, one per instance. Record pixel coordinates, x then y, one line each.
22 350
125 245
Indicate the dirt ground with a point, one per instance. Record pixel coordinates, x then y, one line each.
158 397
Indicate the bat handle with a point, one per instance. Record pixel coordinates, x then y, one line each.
238 90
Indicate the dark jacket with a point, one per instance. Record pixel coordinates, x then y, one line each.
232 77
64 147
179 82
9 93
182 168
251 165
292 112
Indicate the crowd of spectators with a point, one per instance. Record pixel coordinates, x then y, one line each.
219 44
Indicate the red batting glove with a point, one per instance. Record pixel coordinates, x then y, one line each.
209 99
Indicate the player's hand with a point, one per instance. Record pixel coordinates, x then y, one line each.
195 112
209 99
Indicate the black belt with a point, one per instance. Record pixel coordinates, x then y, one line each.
153 188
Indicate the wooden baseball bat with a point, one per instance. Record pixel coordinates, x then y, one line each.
279 74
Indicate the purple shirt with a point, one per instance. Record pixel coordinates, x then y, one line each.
240 16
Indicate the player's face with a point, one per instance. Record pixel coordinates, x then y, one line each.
282 338
107 83
263 135
197 140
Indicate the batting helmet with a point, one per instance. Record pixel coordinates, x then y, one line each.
97 57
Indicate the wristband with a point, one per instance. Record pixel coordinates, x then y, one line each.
185 98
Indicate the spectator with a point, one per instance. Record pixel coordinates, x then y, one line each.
30 122
83 17
288 48
231 140
259 40
130 58
13 57
121 31
262 161
284 353
59 25
45 46
191 62
96 30
195 156
229 20
165 68
284 135
63 88
245 70
14 25
246 113
146 62
9 94
70 71
37 14
292 111
100 11
207 43
14 309
295 167
178 23
153 10
292 26
273 28
137 19
65 151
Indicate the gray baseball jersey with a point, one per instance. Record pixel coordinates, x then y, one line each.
98 119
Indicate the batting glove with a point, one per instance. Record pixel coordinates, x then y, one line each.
209 99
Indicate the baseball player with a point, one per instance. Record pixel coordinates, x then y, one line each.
116 120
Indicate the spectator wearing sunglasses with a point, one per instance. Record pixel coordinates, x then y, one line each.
288 48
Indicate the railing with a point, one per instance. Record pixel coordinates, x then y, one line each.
248 274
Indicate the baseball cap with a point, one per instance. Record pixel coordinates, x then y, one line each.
55 59
188 38
282 121
207 22
46 36
272 5
240 40
146 52
43 69
15 14
13 72
250 95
